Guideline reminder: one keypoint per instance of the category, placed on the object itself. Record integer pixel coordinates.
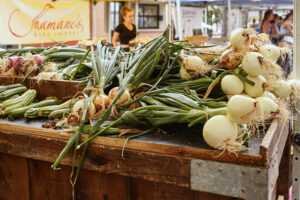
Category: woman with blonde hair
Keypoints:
(125, 31)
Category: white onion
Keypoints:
(270, 95)
(240, 39)
(267, 106)
(78, 109)
(270, 52)
(257, 89)
(231, 58)
(231, 84)
(184, 75)
(241, 109)
(219, 129)
(282, 89)
(124, 99)
(253, 64)
(101, 102)
(294, 83)
(194, 66)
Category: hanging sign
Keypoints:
(32, 21)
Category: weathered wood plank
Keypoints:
(145, 190)
(59, 88)
(95, 185)
(47, 183)
(160, 168)
(283, 181)
(276, 133)
(173, 150)
(14, 179)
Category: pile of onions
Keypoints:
(231, 58)
(78, 107)
(124, 99)
(219, 130)
(192, 66)
(240, 39)
(232, 85)
(258, 88)
(241, 109)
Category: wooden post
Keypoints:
(296, 39)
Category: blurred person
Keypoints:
(279, 22)
(125, 31)
(253, 25)
(286, 29)
(268, 27)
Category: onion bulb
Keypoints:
(193, 66)
(78, 109)
(240, 39)
(270, 52)
(269, 95)
(218, 130)
(241, 109)
(231, 85)
(282, 89)
(124, 99)
(101, 102)
(231, 58)
(258, 88)
(253, 64)
(267, 106)
(184, 75)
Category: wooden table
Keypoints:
(155, 166)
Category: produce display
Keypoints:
(229, 95)
(55, 62)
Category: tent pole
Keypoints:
(229, 14)
(94, 20)
(205, 20)
(179, 19)
(296, 39)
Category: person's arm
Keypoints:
(115, 38)
(289, 28)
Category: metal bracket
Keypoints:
(230, 179)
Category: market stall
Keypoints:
(166, 120)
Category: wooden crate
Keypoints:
(154, 166)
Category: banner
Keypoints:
(41, 21)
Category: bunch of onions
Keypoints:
(231, 85)
(258, 88)
(241, 109)
(221, 133)
(240, 39)
(231, 58)
(124, 99)
(192, 66)
(78, 108)
(270, 52)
